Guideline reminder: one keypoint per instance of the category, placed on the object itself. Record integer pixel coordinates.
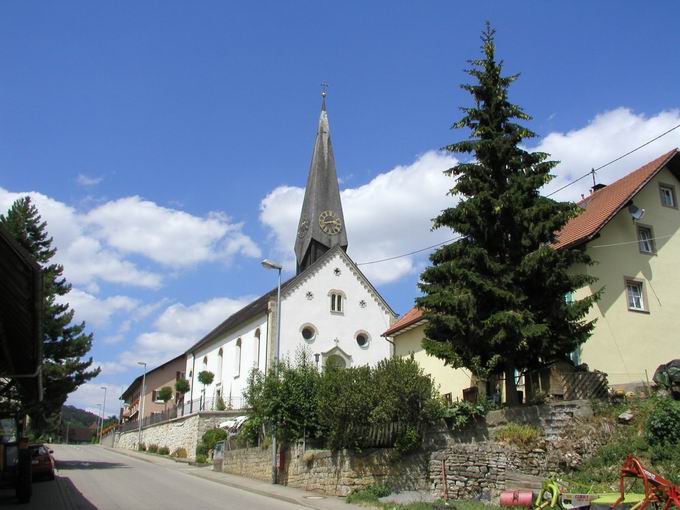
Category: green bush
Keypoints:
(460, 415)
(519, 435)
(409, 441)
(209, 440)
(180, 453)
(249, 434)
(164, 450)
(141, 447)
(663, 424)
(370, 494)
(153, 448)
(201, 459)
(220, 405)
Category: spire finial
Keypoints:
(324, 93)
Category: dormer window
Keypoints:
(337, 301)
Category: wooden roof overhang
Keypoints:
(21, 317)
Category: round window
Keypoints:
(362, 339)
(308, 332)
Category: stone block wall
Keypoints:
(481, 470)
(332, 473)
(183, 432)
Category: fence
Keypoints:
(585, 385)
(191, 407)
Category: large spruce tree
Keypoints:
(495, 299)
(64, 344)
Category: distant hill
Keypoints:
(77, 418)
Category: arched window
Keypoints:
(220, 359)
(205, 363)
(237, 358)
(337, 301)
(256, 357)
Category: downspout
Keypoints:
(394, 347)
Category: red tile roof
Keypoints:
(602, 205)
(411, 317)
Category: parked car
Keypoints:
(42, 462)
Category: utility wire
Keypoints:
(591, 172)
(411, 253)
(614, 160)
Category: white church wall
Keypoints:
(361, 312)
(232, 378)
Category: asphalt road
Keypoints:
(94, 478)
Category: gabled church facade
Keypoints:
(329, 308)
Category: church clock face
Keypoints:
(330, 222)
(303, 228)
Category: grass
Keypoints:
(518, 435)
(370, 497)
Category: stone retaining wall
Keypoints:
(332, 473)
(183, 432)
(476, 466)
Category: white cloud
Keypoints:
(606, 137)
(84, 258)
(391, 215)
(86, 180)
(110, 367)
(89, 395)
(134, 225)
(95, 311)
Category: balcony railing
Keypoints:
(191, 407)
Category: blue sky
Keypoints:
(166, 143)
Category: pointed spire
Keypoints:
(324, 93)
(322, 224)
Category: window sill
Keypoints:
(638, 311)
(337, 313)
(237, 376)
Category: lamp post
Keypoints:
(268, 264)
(141, 405)
(101, 429)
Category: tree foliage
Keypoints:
(64, 343)
(205, 377)
(182, 386)
(495, 299)
(338, 406)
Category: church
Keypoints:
(328, 308)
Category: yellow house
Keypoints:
(630, 229)
(407, 335)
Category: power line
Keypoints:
(411, 253)
(614, 160)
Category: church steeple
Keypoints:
(322, 224)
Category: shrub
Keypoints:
(370, 494)
(141, 447)
(153, 448)
(201, 459)
(180, 453)
(519, 435)
(209, 440)
(164, 450)
(408, 441)
(460, 415)
(663, 424)
(220, 405)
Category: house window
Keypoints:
(237, 358)
(220, 359)
(635, 293)
(646, 239)
(667, 193)
(337, 301)
(256, 358)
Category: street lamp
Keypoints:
(141, 404)
(101, 430)
(269, 264)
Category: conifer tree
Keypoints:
(64, 344)
(495, 299)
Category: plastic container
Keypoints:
(517, 498)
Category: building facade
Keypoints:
(164, 375)
(630, 230)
